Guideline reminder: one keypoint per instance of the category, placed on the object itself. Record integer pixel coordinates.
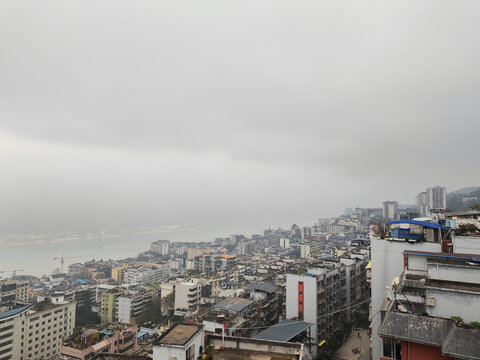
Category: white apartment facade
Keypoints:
(35, 331)
(130, 306)
(144, 276)
(76, 269)
(307, 249)
(160, 247)
(387, 262)
(187, 295)
(437, 197)
(11, 290)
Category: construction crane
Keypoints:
(13, 271)
(61, 258)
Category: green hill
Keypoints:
(464, 198)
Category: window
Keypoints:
(392, 349)
(6, 328)
(190, 354)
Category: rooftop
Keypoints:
(180, 334)
(462, 213)
(285, 330)
(467, 257)
(417, 222)
(44, 305)
(13, 312)
(452, 285)
(97, 334)
(238, 348)
(265, 287)
(233, 305)
(454, 340)
(419, 329)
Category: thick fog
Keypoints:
(127, 114)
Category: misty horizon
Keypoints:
(118, 117)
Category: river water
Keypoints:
(35, 254)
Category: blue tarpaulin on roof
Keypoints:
(81, 281)
(416, 222)
(107, 332)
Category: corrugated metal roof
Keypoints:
(234, 305)
(265, 287)
(13, 312)
(285, 330)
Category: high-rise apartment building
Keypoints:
(437, 197)
(433, 198)
(108, 306)
(388, 262)
(35, 331)
(146, 275)
(160, 247)
(129, 306)
(421, 201)
(430, 309)
(14, 290)
(323, 295)
(390, 210)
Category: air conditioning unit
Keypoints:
(430, 301)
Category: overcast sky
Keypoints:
(145, 113)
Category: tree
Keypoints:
(379, 228)
(466, 229)
(158, 311)
(475, 207)
(86, 317)
(167, 304)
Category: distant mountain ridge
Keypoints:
(465, 190)
(463, 198)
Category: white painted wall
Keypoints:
(178, 352)
(454, 273)
(466, 245)
(387, 262)
(310, 299)
(454, 303)
(124, 308)
(416, 262)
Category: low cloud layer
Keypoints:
(121, 114)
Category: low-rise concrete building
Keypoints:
(188, 342)
(183, 342)
(187, 295)
(114, 338)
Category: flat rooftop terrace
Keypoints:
(179, 335)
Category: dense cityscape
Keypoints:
(239, 180)
(371, 283)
